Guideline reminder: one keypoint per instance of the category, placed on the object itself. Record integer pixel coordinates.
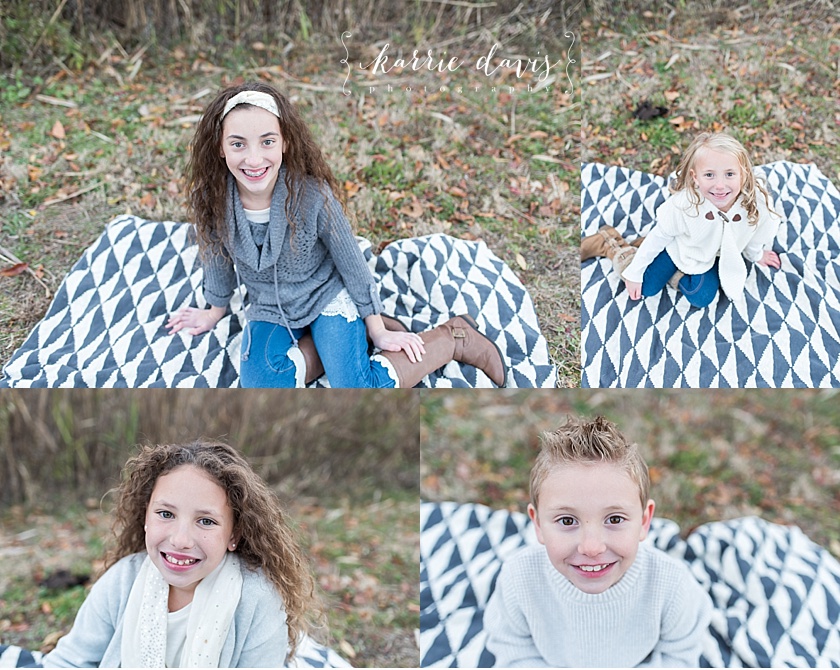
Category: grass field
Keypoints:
(767, 73)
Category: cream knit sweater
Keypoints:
(694, 236)
(657, 615)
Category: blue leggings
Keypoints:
(699, 290)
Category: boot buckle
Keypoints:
(459, 333)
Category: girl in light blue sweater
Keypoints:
(205, 571)
(268, 213)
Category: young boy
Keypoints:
(594, 596)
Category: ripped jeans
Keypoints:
(270, 358)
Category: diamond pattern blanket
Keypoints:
(786, 333)
(106, 324)
(309, 654)
(776, 594)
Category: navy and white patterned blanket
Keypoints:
(309, 654)
(786, 333)
(106, 325)
(776, 594)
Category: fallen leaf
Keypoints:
(58, 131)
(14, 270)
(351, 187)
(520, 261)
(348, 650)
(415, 210)
(670, 96)
(681, 124)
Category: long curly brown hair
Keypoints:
(207, 172)
(265, 539)
(750, 187)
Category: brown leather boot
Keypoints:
(622, 257)
(458, 339)
(440, 347)
(601, 243)
(474, 348)
(609, 243)
(314, 367)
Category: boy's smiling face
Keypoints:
(591, 521)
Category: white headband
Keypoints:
(256, 98)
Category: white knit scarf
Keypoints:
(144, 625)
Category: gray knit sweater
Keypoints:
(292, 277)
(258, 636)
(657, 615)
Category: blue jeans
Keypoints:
(699, 290)
(270, 359)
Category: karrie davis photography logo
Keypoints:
(540, 71)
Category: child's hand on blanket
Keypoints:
(770, 259)
(634, 289)
(197, 321)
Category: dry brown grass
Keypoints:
(765, 72)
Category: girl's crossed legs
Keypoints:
(699, 290)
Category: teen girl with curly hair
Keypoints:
(718, 214)
(206, 571)
(269, 214)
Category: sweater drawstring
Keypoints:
(280, 305)
(246, 329)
